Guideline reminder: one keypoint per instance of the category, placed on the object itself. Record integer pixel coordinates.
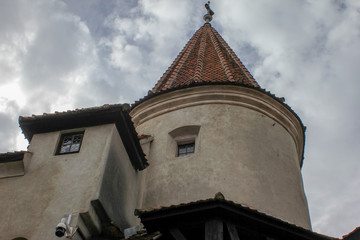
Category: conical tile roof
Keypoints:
(206, 58)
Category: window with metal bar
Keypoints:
(186, 149)
(70, 143)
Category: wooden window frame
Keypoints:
(61, 142)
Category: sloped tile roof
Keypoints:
(86, 117)
(12, 156)
(219, 200)
(103, 108)
(143, 235)
(205, 58)
(82, 117)
(354, 235)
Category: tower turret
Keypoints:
(215, 130)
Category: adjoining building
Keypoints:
(86, 163)
(207, 154)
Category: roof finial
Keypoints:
(208, 16)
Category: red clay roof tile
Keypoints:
(205, 58)
(220, 199)
(12, 156)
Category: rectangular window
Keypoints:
(186, 149)
(70, 143)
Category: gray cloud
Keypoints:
(59, 55)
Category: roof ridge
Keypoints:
(124, 106)
(15, 152)
(200, 60)
(222, 59)
(184, 58)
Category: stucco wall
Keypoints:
(120, 192)
(248, 147)
(53, 185)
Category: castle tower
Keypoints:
(211, 128)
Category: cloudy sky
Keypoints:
(57, 55)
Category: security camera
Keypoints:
(61, 228)
(64, 229)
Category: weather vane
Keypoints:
(208, 15)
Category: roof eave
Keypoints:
(159, 219)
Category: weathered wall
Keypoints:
(53, 185)
(120, 192)
(249, 147)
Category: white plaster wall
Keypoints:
(247, 152)
(53, 185)
(121, 191)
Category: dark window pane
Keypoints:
(182, 150)
(75, 147)
(190, 149)
(67, 140)
(77, 138)
(65, 149)
(185, 149)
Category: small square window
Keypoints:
(186, 149)
(70, 143)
